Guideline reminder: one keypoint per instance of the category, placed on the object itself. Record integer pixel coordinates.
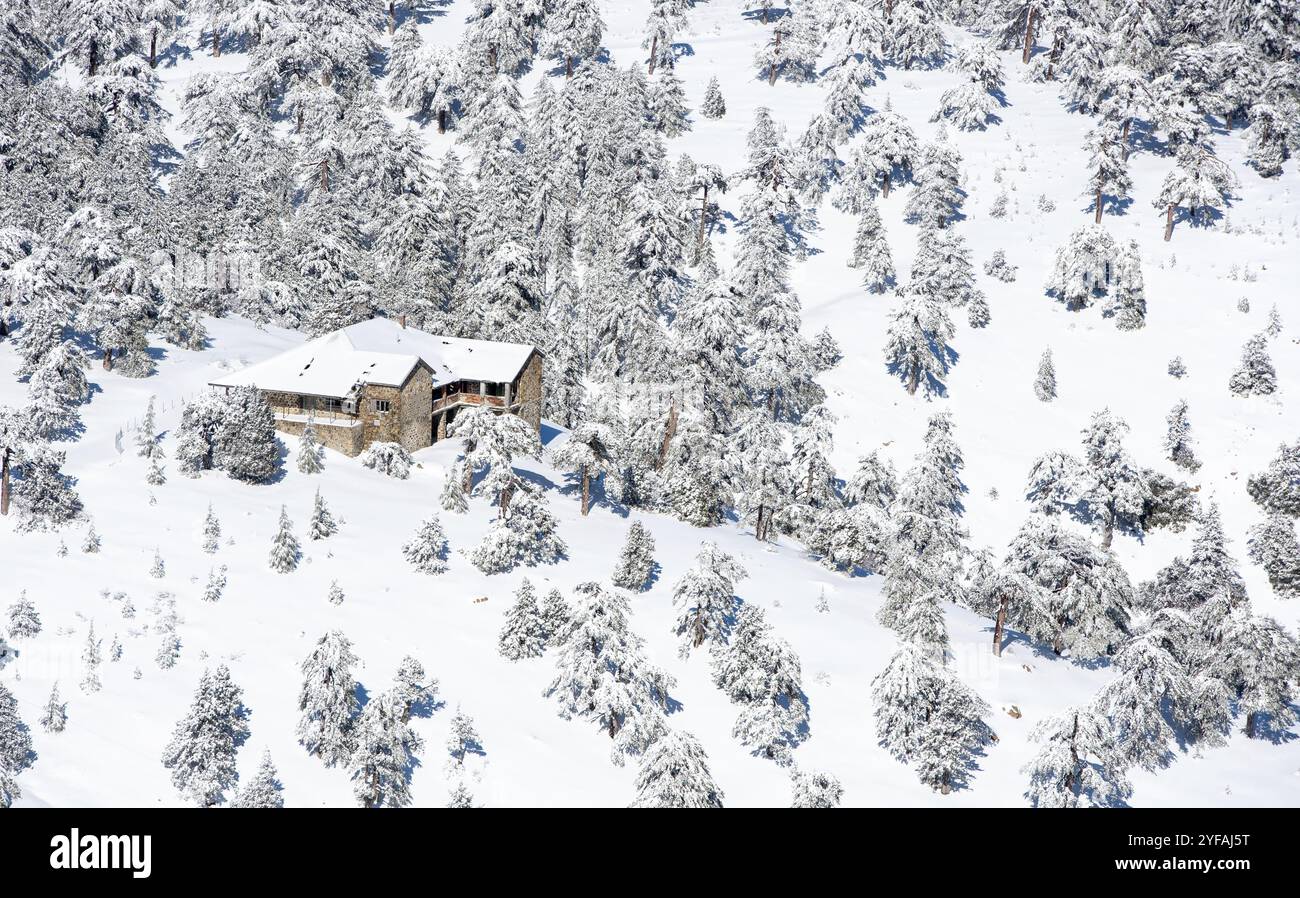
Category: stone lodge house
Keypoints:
(382, 381)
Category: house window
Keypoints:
(326, 404)
(494, 390)
(383, 405)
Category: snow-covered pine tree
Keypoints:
(211, 531)
(15, 748)
(157, 570)
(201, 754)
(24, 621)
(1273, 546)
(573, 31)
(674, 773)
(1178, 438)
(391, 459)
(1256, 376)
(589, 454)
(1078, 765)
(871, 250)
(937, 196)
(1278, 488)
(427, 549)
(1150, 678)
(916, 346)
(603, 676)
(814, 789)
(971, 104)
(381, 763)
(263, 789)
(762, 674)
(1199, 181)
(463, 739)
(91, 544)
(714, 106)
(523, 635)
(322, 523)
(1128, 302)
(285, 550)
(146, 438)
(311, 454)
(527, 535)
(705, 598)
(90, 660)
(1266, 658)
(55, 716)
(556, 616)
(328, 700)
(1108, 163)
(216, 584)
(1045, 382)
(636, 565)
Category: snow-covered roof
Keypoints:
(379, 351)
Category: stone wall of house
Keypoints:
(529, 392)
(409, 418)
(345, 439)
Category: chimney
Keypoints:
(401, 319)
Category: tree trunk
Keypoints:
(1029, 35)
(884, 189)
(670, 431)
(216, 42)
(999, 627)
(392, 16)
(914, 381)
(4, 326)
(568, 67)
(654, 47)
(325, 174)
(4, 482)
(586, 491)
(1098, 216)
(442, 121)
(1169, 222)
(492, 58)
(771, 70)
(704, 214)
(92, 64)
(1250, 724)
(153, 49)
(1108, 534)
(108, 360)
(758, 523)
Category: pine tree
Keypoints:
(523, 635)
(322, 523)
(285, 550)
(211, 531)
(1256, 376)
(1178, 438)
(871, 251)
(216, 584)
(636, 565)
(263, 790)
(15, 748)
(1278, 488)
(463, 739)
(1108, 163)
(90, 545)
(937, 196)
(311, 455)
(24, 621)
(328, 700)
(705, 598)
(55, 717)
(90, 659)
(1128, 301)
(1078, 765)
(916, 348)
(762, 674)
(1045, 383)
(814, 789)
(589, 454)
(714, 106)
(384, 755)
(1149, 678)
(1266, 658)
(335, 594)
(427, 550)
(460, 797)
(157, 570)
(201, 754)
(556, 616)
(1273, 546)
(674, 773)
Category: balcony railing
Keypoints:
(469, 399)
(319, 416)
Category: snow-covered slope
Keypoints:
(266, 623)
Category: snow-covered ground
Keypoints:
(266, 623)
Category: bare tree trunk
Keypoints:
(216, 42)
(392, 16)
(568, 67)
(771, 70)
(654, 48)
(442, 121)
(1251, 724)
(884, 188)
(1169, 222)
(670, 431)
(492, 58)
(108, 360)
(153, 49)
(999, 627)
(325, 174)
(758, 523)
(1029, 35)
(4, 481)
(1108, 534)
(704, 214)
(1098, 216)
(586, 491)
(914, 381)
(92, 65)
(467, 483)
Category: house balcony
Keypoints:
(468, 399)
(318, 417)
